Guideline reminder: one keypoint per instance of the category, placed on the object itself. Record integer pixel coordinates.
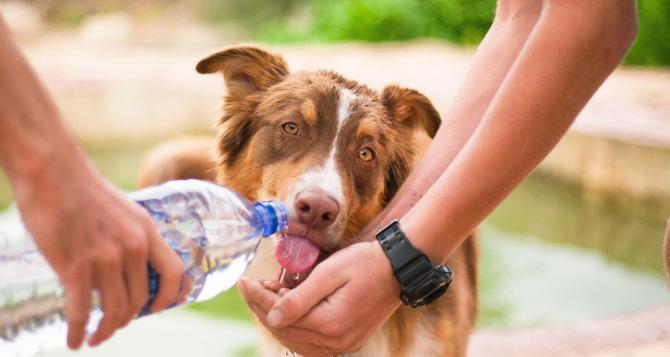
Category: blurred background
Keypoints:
(577, 244)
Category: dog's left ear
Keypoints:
(411, 109)
(246, 69)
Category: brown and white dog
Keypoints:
(334, 152)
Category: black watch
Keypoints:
(420, 282)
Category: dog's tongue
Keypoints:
(296, 254)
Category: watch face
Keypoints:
(435, 294)
(432, 292)
(428, 289)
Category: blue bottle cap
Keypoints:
(272, 217)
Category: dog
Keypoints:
(334, 152)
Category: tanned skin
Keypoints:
(91, 235)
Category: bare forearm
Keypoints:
(32, 136)
(491, 63)
(570, 52)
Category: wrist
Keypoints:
(41, 169)
(421, 282)
(420, 241)
(385, 271)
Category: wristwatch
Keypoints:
(421, 283)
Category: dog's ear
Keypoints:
(411, 109)
(246, 69)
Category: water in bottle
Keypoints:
(214, 231)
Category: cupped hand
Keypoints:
(336, 309)
(261, 296)
(96, 239)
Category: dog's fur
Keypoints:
(332, 120)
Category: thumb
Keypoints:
(295, 304)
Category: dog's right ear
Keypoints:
(246, 69)
(411, 108)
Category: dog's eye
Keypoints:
(366, 154)
(291, 128)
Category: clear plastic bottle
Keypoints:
(214, 231)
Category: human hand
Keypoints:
(336, 309)
(94, 238)
(261, 296)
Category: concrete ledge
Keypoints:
(600, 163)
(645, 333)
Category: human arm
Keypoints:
(90, 234)
(570, 51)
(492, 61)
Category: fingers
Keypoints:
(111, 285)
(273, 285)
(295, 304)
(300, 337)
(77, 306)
(254, 292)
(259, 312)
(305, 342)
(186, 286)
(170, 269)
(309, 337)
(136, 277)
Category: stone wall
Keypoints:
(621, 169)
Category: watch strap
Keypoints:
(420, 282)
(408, 263)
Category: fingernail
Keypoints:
(274, 318)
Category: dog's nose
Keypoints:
(316, 209)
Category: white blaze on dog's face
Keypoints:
(326, 178)
(332, 150)
(321, 187)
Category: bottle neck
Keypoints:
(270, 217)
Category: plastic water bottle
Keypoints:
(214, 231)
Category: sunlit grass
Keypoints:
(228, 305)
(5, 192)
(249, 351)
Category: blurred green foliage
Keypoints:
(249, 351)
(73, 12)
(254, 15)
(459, 21)
(5, 192)
(652, 45)
(229, 305)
